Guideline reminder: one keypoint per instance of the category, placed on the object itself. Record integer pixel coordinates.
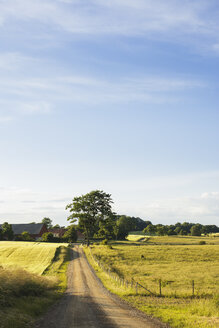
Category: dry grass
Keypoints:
(176, 266)
(24, 295)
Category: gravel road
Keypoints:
(87, 304)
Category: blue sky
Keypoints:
(120, 96)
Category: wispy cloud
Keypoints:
(21, 95)
(31, 206)
(114, 17)
(14, 61)
(4, 119)
(120, 17)
(35, 107)
(170, 210)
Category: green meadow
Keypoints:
(169, 263)
(32, 277)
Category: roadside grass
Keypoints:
(24, 295)
(176, 266)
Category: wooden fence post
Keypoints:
(136, 288)
(193, 288)
(160, 287)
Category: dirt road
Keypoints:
(87, 304)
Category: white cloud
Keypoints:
(31, 206)
(35, 108)
(170, 210)
(210, 195)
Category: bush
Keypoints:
(202, 242)
(104, 242)
(48, 237)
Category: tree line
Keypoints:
(97, 220)
(92, 215)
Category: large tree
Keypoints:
(90, 209)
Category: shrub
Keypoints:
(104, 242)
(48, 237)
(202, 242)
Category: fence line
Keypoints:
(120, 280)
(134, 285)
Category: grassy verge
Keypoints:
(25, 295)
(176, 266)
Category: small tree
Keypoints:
(196, 230)
(47, 222)
(71, 234)
(90, 209)
(48, 237)
(162, 230)
(125, 224)
(151, 229)
(57, 226)
(7, 231)
(26, 236)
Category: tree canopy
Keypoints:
(90, 209)
(47, 222)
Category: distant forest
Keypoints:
(127, 224)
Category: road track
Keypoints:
(87, 304)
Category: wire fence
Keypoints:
(134, 285)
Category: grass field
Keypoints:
(176, 266)
(33, 257)
(32, 276)
(173, 240)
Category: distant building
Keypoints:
(36, 230)
(58, 232)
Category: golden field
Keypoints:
(31, 256)
(32, 276)
(176, 265)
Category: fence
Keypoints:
(133, 284)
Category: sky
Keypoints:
(116, 95)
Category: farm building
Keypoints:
(36, 230)
(58, 232)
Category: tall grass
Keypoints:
(24, 295)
